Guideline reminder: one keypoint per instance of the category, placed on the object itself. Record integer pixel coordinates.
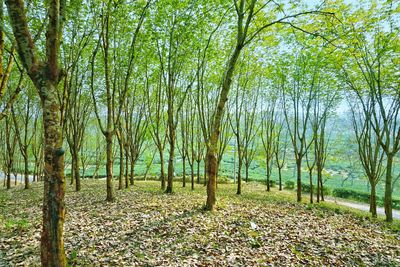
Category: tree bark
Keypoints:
(198, 171)
(280, 178)
(372, 204)
(170, 175)
(184, 172)
(192, 175)
(298, 165)
(121, 165)
(52, 242)
(268, 176)
(162, 172)
(71, 181)
(311, 187)
(26, 170)
(109, 167)
(239, 177)
(76, 173)
(388, 188)
(126, 169)
(132, 175)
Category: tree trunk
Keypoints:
(109, 167)
(126, 169)
(268, 176)
(298, 164)
(239, 177)
(318, 186)
(372, 203)
(388, 188)
(205, 172)
(321, 187)
(171, 162)
(132, 175)
(162, 175)
(26, 170)
(311, 187)
(76, 173)
(184, 172)
(8, 179)
(216, 125)
(192, 175)
(52, 242)
(121, 166)
(280, 178)
(71, 182)
(211, 171)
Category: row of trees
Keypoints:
(159, 74)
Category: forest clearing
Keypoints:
(199, 133)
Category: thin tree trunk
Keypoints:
(212, 162)
(311, 187)
(372, 204)
(76, 173)
(322, 189)
(132, 175)
(170, 176)
(212, 181)
(26, 170)
(162, 175)
(268, 177)
(109, 168)
(126, 169)
(184, 172)
(121, 166)
(280, 178)
(298, 164)
(198, 172)
(8, 183)
(388, 188)
(192, 175)
(71, 182)
(318, 183)
(205, 173)
(239, 178)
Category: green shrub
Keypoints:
(362, 197)
(223, 180)
(289, 185)
(396, 204)
(306, 189)
(351, 194)
(272, 183)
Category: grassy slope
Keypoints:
(146, 227)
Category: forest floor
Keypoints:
(145, 227)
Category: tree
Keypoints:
(298, 96)
(369, 150)
(247, 13)
(45, 75)
(371, 57)
(114, 64)
(269, 135)
(22, 114)
(280, 148)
